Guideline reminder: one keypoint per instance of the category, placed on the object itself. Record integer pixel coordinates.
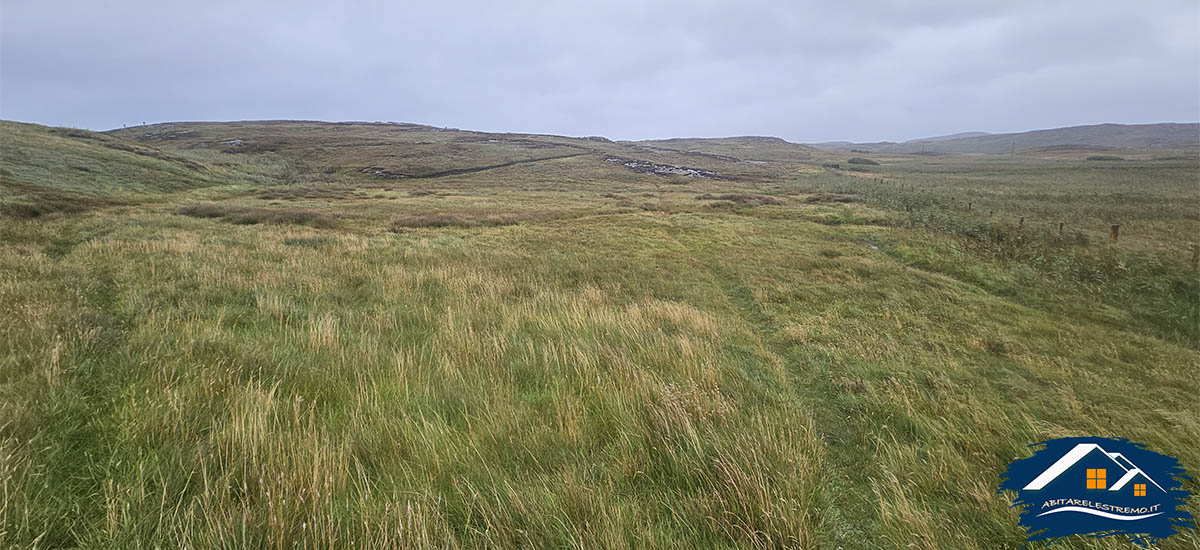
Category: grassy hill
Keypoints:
(345, 151)
(47, 169)
(304, 334)
(1167, 136)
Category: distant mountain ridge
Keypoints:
(1123, 136)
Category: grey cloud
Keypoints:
(805, 71)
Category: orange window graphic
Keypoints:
(1139, 489)
(1096, 478)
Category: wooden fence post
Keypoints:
(1116, 233)
(969, 206)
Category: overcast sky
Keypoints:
(805, 71)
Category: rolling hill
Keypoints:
(50, 169)
(44, 169)
(1168, 136)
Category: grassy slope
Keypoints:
(334, 152)
(48, 169)
(641, 369)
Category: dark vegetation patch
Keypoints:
(240, 215)
(308, 242)
(1105, 157)
(291, 193)
(41, 208)
(417, 221)
(419, 192)
(470, 219)
(741, 199)
(862, 160)
(42, 201)
(831, 197)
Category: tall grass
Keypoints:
(215, 386)
(810, 366)
(1068, 265)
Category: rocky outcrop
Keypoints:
(647, 167)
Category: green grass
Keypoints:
(1045, 229)
(581, 356)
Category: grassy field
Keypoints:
(520, 343)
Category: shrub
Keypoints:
(862, 160)
(1105, 157)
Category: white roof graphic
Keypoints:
(1076, 454)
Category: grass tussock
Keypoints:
(311, 192)
(418, 221)
(831, 197)
(742, 199)
(241, 215)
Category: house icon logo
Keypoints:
(1098, 487)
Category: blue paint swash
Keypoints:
(1099, 487)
